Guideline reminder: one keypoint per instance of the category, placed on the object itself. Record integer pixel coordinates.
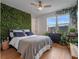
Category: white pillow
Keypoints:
(17, 30)
(26, 30)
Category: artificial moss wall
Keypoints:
(12, 18)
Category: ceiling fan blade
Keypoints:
(47, 5)
(34, 4)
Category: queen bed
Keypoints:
(30, 46)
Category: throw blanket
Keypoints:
(29, 47)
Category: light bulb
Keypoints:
(40, 8)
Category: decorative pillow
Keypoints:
(11, 34)
(19, 34)
(29, 33)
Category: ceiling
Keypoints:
(25, 5)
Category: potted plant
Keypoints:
(46, 33)
(72, 31)
(63, 40)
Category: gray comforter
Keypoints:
(29, 47)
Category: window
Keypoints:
(63, 22)
(51, 23)
(60, 22)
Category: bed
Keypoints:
(31, 46)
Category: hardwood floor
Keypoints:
(56, 52)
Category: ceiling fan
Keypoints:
(40, 5)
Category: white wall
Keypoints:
(34, 25)
(39, 23)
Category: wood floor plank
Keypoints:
(56, 52)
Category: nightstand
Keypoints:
(5, 45)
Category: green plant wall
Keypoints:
(12, 18)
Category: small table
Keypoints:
(74, 51)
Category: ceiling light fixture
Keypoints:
(40, 5)
(40, 8)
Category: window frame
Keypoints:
(57, 25)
